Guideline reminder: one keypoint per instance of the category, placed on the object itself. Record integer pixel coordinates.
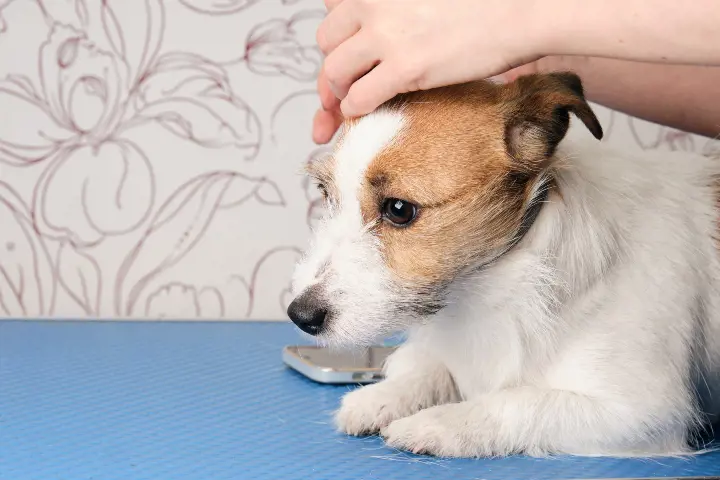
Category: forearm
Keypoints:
(680, 96)
(664, 31)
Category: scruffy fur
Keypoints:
(597, 334)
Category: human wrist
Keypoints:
(630, 30)
(576, 29)
(548, 27)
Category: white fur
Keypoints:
(344, 256)
(581, 340)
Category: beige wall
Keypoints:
(150, 154)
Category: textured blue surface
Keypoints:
(202, 401)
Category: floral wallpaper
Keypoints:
(151, 154)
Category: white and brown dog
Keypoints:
(559, 297)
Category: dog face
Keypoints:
(422, 192)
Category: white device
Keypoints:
(324, 365)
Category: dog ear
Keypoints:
(538, 115)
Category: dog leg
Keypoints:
(413, 382)
(536, 422)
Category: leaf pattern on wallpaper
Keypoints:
(27, 280)
(135, 31)
(275, 291)
(181, 300)
(286, 47)
(20, 145)
(80, 277)
(181, 223)
(191, 97)
(110, 188)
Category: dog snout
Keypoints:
(309, 311)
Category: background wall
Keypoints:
(150, 155)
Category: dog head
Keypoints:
(427, 189)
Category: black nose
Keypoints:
(308, 311)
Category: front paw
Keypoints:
(367, 410)
(445, 431)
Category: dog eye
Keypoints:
(398, 212)
(323, 190)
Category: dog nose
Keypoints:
(308, 311)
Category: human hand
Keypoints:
(547, 64)
(377, 49)
(328, 118)
(512, 75)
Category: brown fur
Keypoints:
(469, 158)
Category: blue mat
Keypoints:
(209, 401)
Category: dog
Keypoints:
(557, 296)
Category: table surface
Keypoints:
(201, 401)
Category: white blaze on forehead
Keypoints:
(360, 146)
(339, 245)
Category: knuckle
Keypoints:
(382, 35)
(321, 38)
(333, 70)
(412, 74)
(366, 4)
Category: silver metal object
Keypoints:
(325, 365)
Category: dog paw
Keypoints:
(367, 410)
(443, 431)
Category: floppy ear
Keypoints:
(538, 115)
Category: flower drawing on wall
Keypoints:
(178, 300)
(286, 47)
(180, 224)
(231, 296)
(649, 136)
(99, 76)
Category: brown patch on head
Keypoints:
(470, 157)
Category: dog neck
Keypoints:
(528, 220)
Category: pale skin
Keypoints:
(655, 60)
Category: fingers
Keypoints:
(328, 119)
(369, 92)
(339, 25)
(328, 100)
(513, 74)
(331, 4)
(325, 124)
(349, 62)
